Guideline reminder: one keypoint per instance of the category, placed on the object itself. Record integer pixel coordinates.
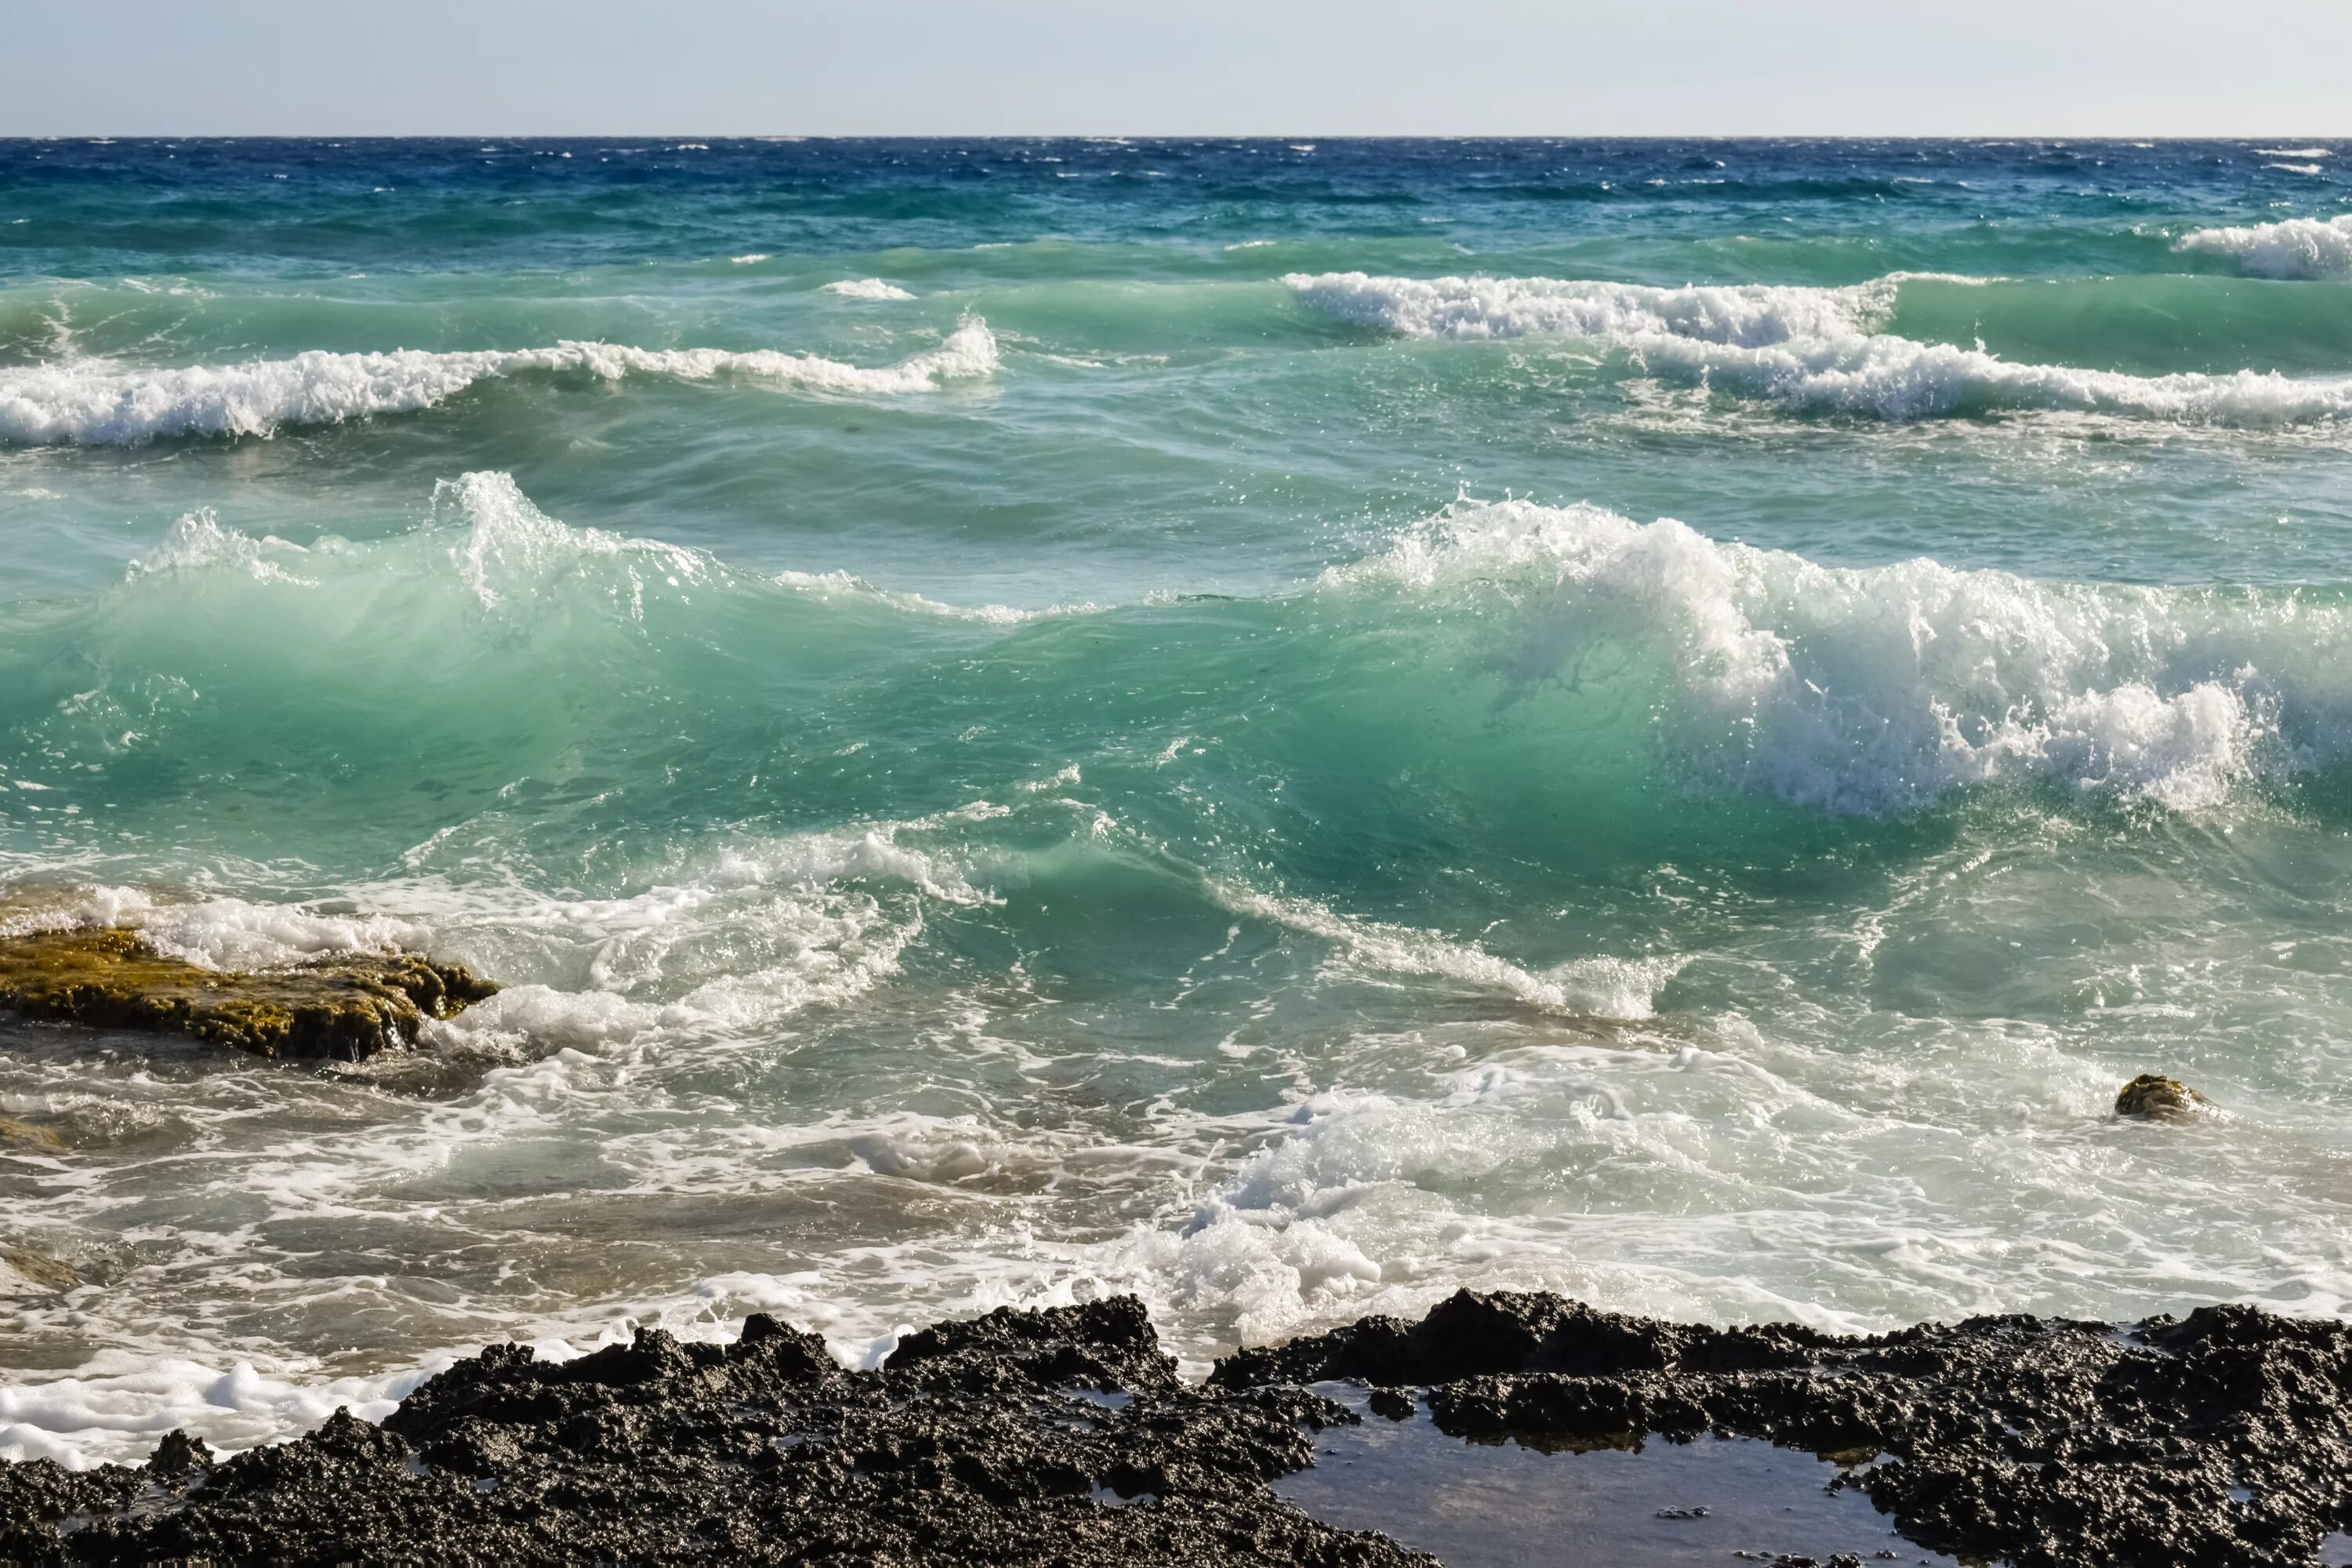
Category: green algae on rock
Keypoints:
(342, 1007)
(2155, 1098)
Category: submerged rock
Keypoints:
(343, 1007)
(2158, 1099)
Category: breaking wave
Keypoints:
(1818, 351)
(866, 288)
(1885, 689)
(2306, 248)
(99, 403)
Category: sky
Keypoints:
(2056, 68)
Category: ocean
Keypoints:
(1282, 726)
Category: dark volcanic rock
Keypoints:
(1064, 1438)
(2219, 1440)
(344, 1007)
(975, 1443)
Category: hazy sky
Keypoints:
(1368, 67)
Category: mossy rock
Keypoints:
(344, 1007)
(28, 1135)
(2155, 1098)
(39, 1268)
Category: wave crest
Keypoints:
(1809, 350)
(97, 403)
(1885, 689)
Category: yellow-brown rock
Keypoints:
(343, 1007)
(2155, 1098)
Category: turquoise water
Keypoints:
(1287, 727)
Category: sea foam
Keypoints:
(99, 403)
(1819, 351)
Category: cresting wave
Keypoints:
(1887, 689)
(98, 403)
(2306, 247)
(1735, 669)
(1820, 351)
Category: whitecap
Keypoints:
(99, 403)
(1808, 350)
(1885, 689)
(2292, 247)
(866, 288)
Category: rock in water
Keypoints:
(343, 1007)
(2158, 1099)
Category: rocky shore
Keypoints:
(1065, 1437)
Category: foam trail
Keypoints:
(2306, 248)
(95, 403)
(1808, 350)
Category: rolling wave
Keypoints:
(1518, 644)
(98, 403)
(1820, 351)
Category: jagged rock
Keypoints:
(344, 1007)
(971, 1445)
(2158, 1099)
(1063, 1438)
(178, 1454)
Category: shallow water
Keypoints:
(1657, 1504)
(1283, 728)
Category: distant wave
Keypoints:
(99, 403)
(2292, 247)
(1810, 350)
(1745, 315)
(866, 288)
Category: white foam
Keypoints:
(866, 288)
(1883, 688)
(99, 403)
(2303, 247)
(118, 1405)
(1808, 350)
